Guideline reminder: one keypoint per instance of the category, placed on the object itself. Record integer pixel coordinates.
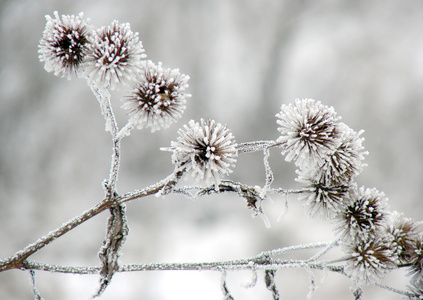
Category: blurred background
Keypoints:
(245, 59)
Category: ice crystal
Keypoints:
(363, 215)
(369, 260)
(63, 47)
(207, 150)
(116, 55)
(157, 98)
(308, 131)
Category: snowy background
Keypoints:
(245, 59)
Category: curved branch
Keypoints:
(17, 261)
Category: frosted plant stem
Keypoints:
(114, 168)
(293, 248)
(226, 293)
(17, 261)
(221, 266)
(394, 290)
(35, 291)
(269, 173)
(325, 250)
(269, 280)
(103, 97)
(290, 191)
(232, 265)
(250, 147)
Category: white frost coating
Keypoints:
(313, 287)
(207, 150)
(346, 161)
(269, 173)
(254, 277)
(364, 215)
(308, 131)
(116, 55)
(63, 47)
(369, 260)
(157, 98)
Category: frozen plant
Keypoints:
(115, 55)
(64, 46)
(327, 153)
(207, 150)
(157, 98)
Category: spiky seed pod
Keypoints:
(369, 260)
(308, 131)
(116, 55)
(323, 196)
(207, 150)
(64, 45)
(403, 234)
(363, 215)
(416, 258)
(346, 161)
(157, 98)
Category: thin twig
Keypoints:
(325, 250)
(17, 260)
(37, 295)
(232, 265)
(250, 147)
(103, 97)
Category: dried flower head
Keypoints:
(207, 150)
(403, 234)
(369, 260)
(308, 131)
(116, 55)
(63, 47)
(323, 196)
(346, 161)
(416, 258)
(157, 98)
(363, 215)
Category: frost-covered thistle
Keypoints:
(346, 161)
(207, 150)
(403, 235)
(363, 215)
(369, 260)
(116, 55)
(416, 258)
(157, 98)
(308, 131)
(323, 196)
(63, 47)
